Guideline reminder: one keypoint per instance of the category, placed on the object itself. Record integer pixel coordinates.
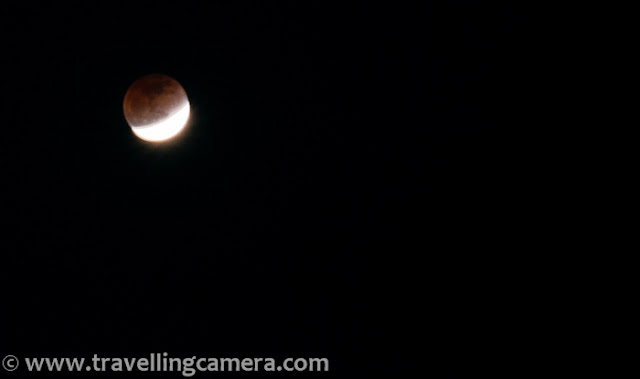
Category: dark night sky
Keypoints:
(357, 182)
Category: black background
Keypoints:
(356, 181)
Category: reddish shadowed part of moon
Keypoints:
(156, 107)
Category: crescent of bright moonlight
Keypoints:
(156, 108)
(164, 129)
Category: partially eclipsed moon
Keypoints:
(156, 107)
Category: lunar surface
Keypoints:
(156, 107)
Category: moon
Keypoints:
(156, 107)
